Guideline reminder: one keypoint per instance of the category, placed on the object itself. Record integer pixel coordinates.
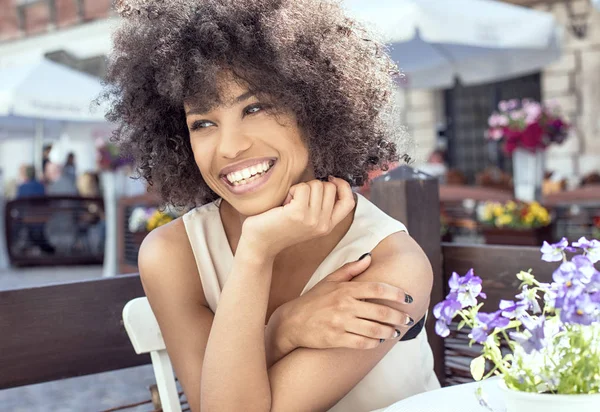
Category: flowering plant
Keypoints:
(596, 227)
(147, 219)
(554, 348)
(108, 156)
(516, 215)
(527, 124)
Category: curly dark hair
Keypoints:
(306, 55)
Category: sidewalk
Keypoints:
(91, 393)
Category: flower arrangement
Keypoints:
(554, 348)
(144, 219)
(108, 156)
(527, 124)
(515, 215)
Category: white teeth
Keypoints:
(248, 174)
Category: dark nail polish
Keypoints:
(408, 298)
(410, 321)
(381, 340)
(364, 256)
(397, 334)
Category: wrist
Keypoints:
(254, 248)
(279, 333)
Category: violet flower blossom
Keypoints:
(554, 252)
(466, 288)
(444, 312)
(591, 248)
(486, 323)
(533, 338)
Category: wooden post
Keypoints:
(413, 198)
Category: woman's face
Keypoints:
(246, 154)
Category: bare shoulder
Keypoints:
(399, 260)
(166, 261)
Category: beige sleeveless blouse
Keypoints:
(406, 370)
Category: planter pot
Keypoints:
(528, 174)
(517, 401)
(515, 237)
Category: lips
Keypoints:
(253, 184)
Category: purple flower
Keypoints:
(486, 323)
(511, 310)
(533, 337)
(529, 299)
(581, 310)
(554, 252)
(466, 288)
(591, 248)
(444, 312)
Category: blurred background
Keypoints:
(501, 100)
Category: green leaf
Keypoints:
(478, 367)
(461, 324)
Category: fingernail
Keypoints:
(410, 321)
(330, 178)
(396, 334)
(381, 340)
(408, 298)
(364, 256)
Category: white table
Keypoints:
(458, 398)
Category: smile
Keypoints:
(249, 178)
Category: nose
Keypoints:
(233, 142)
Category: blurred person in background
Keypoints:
(69, 169)
(59, 184)
(436, 165)
(92, 223)
(29, 186)
(45, 160)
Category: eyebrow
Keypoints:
(239, 99)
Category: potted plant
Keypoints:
(145, 219)
(552, 332)
(527, 128)
(515, 223)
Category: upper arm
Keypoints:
(173, 287)
(310, 379)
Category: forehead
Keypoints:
(225, 94)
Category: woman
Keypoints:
(244, 110)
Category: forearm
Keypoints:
(278, 340)
(234, 374)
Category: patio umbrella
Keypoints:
(477, 41)
(44, 94)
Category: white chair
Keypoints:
(144, 333)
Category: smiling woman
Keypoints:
(259, 115)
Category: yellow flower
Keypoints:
(511, 206)
(498, 209)
(504, 220)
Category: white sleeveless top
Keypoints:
(407, 369)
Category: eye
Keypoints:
(200, 124)
(254, 108)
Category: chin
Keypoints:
(256, 206)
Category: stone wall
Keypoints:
(574, 81)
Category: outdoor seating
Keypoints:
(53, 230)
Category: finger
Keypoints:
(345, 200)
(300, 194)
(315, 202)
(329, 198)
(352, 341)
(350, 270)
(379, 290)
(370, 329)
(382, 314)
